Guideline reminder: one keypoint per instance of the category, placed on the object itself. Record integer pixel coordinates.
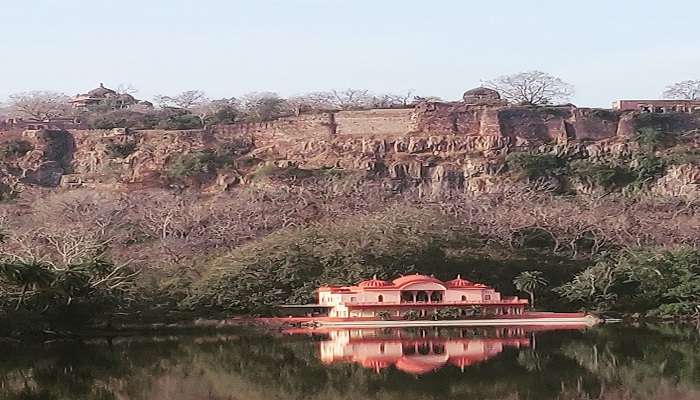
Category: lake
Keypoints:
(604, 362)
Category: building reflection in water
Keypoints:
(417, 352)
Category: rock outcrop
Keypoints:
(432, 146)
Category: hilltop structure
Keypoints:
(106, 97)
(415, 293)
(483, 96)
(657, 106)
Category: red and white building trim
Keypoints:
(420, 293)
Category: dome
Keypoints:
(482, 92)
(417, 278)
(419, 365)
(101, 92)
(460, 283)
(374, 282)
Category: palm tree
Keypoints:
(27, 276)
(530, 282)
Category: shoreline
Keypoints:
(587, 321)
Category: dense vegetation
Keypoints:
(275, 240)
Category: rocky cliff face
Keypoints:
(434, 145)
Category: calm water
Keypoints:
(609, 362)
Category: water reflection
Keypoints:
(601, 363)
(414, 354)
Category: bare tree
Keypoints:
(264, 106)
(127, 88)
(349, 99)
(40, 105)
(352, 98)
(313, 101)
(685, 90)
(532, 87)
(222, 110)
(185, 100)
(394, 100)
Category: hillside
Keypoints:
(236, 218)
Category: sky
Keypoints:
(607, 49)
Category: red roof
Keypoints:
(400, 282)
(417, 278)
(459, 283)
(374, 282)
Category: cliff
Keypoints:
(433, 145)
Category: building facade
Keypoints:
(657, 106)
(418, 294)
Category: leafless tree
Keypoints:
(394, 100)
(352, 98)
(205, 110)
(185, 100)
(264, 106)
(126, 88)
(66, 228)
(40, 105)
(532, 87)
(313, 101)
(685, 90)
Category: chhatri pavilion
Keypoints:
(416, 293)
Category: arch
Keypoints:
(422, 296)
(464, 298)
(380, 298)
(407, 297)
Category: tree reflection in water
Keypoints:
(607, 362)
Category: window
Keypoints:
(423, 349)
(380, 298)
(353, 299)
(464, 298)
(487, 297)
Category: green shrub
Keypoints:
(192, 164)
(532, 165)
(443, 314)
(647, 168)
(121, 150)
(411, 315)
(122, 119)
(601, 175)
(662, 284)
(287, 266)
(16, 148)
(67, 297)
(384, 315)
(649, 139)
(664, 122)
(200, 162)
(180, 122)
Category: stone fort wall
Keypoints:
(360, 122)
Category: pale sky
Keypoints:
(606, 49)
